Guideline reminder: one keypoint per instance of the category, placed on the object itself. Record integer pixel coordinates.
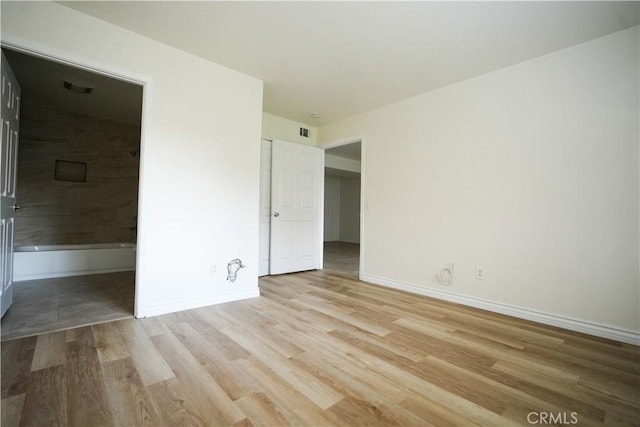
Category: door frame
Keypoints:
(78, 61)
(265, 186)
(363, 209)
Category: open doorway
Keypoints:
(342, 195)
(77, 187)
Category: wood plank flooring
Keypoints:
(320, 349)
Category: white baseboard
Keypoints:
(199, 302)
(604, 331)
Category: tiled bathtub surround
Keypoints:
(101, 210)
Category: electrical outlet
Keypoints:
(213, 268)
(480, 273)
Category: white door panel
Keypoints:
(308, 230)
(285, 244)
(296, 207)
(8, 168)
(286, 189)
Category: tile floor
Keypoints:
(54, 304)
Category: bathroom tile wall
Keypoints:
(100, 210)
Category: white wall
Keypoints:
(331, 208)
(276, 127)
(342, 213)
(341, 163)
(350, 210)
(200, 155)
(530, 172)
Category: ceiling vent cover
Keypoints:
(85, 90)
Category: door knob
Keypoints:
(276, 214)
(16, 207)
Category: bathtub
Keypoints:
(46, 261)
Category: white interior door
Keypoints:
(265, 207)
(8, 169)
(331, 209)
(297, 181)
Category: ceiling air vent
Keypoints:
(85, 90)
(304, 132)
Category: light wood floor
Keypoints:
(49, 305)
(318, 349)
(342, 257)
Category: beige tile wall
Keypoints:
(101, 210)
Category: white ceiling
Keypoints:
(342, 58)
(41, 83)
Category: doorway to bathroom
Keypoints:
(77, 192)
(342, 195)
